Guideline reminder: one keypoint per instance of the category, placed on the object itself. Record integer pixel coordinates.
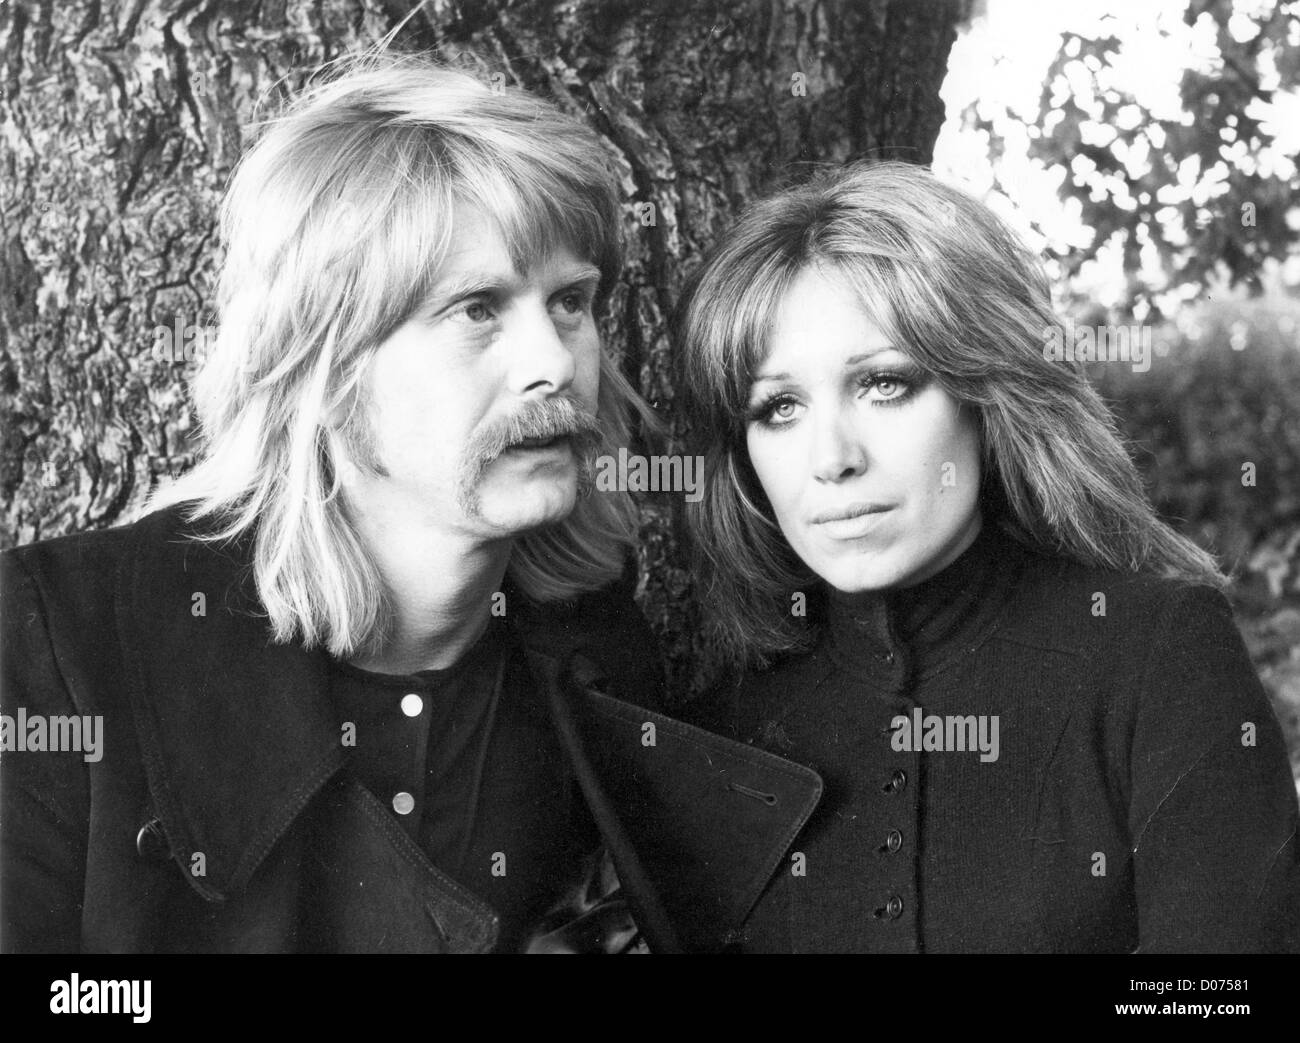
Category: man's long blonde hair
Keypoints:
(335, 223)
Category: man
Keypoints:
(345, 674)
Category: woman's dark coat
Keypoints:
(1140, 796)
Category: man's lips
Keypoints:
(552, 441)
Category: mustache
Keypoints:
(547, 418)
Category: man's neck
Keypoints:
(440, 588)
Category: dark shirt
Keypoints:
(466, 760)
(1140, 795)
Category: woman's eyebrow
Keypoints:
(853, 360)
(864, 355)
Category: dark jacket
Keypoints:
(220, 818)
(1140, 796)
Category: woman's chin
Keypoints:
(861, 574)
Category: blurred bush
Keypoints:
(1223, 392)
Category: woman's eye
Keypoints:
(776, 412)
(476, 311)
(887, 388)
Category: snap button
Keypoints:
(403, 803)
(896, 781)
(893, 841)
(412, 705)
(151, 843)
(894, 907)
(888, 657)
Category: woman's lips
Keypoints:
(853, 510)
(852, 522)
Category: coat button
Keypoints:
(896, 781)
(894, 907)
(893, 841)
(151, 843)
(403, 803)
(412, 705)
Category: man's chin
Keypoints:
(525, 506)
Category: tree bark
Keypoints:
(122, 122)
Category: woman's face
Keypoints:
(873, 470)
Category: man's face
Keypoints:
(454, 394)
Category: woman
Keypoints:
(1036, 722)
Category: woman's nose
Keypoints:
(837, 450)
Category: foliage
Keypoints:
(1198, 195)
(1221, 395)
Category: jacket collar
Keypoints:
(890, 637)
(233, 728)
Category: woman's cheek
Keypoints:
(789, 468)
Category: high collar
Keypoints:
(895, 636)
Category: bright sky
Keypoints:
(1001, 60)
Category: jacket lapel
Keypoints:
(233, 729)
(370, 888)
(697, 824)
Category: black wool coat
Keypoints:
(1139, 797)
(220, 816)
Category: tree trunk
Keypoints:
(123, 121)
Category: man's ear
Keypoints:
(349, 439)
(340, 459)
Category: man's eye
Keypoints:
(572, 302)
(476, 311)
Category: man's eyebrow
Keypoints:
(581, 273)
(852, 360)
(473, 283)
(467, 285)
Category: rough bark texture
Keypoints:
(122, 122)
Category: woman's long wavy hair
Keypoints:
(335, 223)
(950, 284)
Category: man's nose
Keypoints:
(541, 357)
(837, 449)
